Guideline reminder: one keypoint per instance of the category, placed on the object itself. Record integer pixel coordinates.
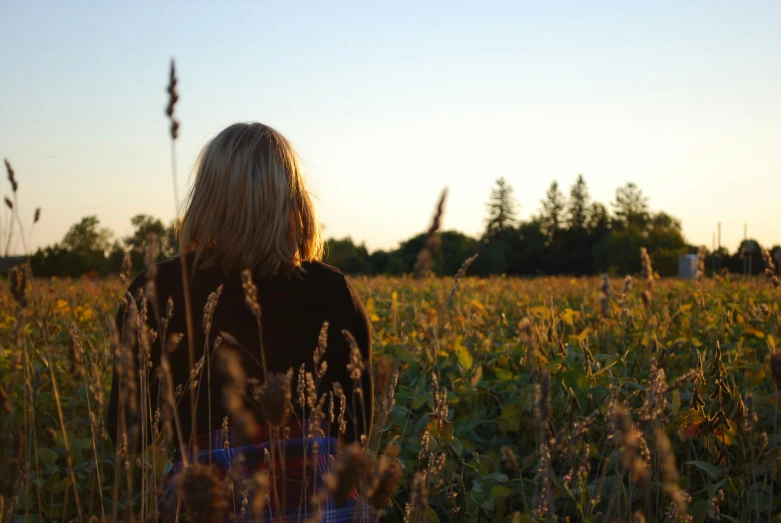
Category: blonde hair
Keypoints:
(248, 207)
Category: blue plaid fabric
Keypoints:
(306, 461)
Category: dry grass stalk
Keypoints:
(275, 398)
(670, 472)
(203, 494)
(173, 97)
(426, 254)
(208, 309)
(418, 502)
(18, 278)
(604, 295)
(346, 472)
(770, 268)
(386, 479)
(321, 366)
(648, 275)
(355, 366)
(543, 409)
(230, 365)
(633, 449)
(460, 274)
(701, 255)
(11, 176)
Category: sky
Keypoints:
(387, 103)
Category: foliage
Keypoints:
(87, 249)
(538, 368)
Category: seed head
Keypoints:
(645, 296)
(381, 372)
(645, 264)
(321, 366)
(203, 493)
(670, 472)
(386, 479)
(173, 97)
(230, 366)
(348, 469)
(275, 397)
(250, 293)
(37, 215)
(17, 279)
(426, 254)
(208, 309)
(356, 365)
(127, 267)
(259, 493)
(11, 175)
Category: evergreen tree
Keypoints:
(578, 208)
(502, 217)
(502, 210)
(631, 207)
(575, 239)
(553, 208)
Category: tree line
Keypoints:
(569, 235)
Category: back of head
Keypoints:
(249, 207)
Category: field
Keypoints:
(549, 399)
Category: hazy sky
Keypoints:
(387, 103)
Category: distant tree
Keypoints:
(553, 211)
(502, 216)
(143, 226)
(379, 262)
(579, 205)
(598, 221)
(82, 250)
(665, 243)
(502, 209)
(454, 248)
(87, 237)
(347, 256)
(631, 206)
(528, 250)
(575, 239)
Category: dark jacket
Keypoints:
(293, 311)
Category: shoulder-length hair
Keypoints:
(248, 207)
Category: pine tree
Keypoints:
(502, 210)
(631, 206)
(553, 207)
(579, 201)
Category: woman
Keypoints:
(248, 209)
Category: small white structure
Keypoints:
(687, 267)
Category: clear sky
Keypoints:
(388, 102)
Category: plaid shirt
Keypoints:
(306, 461)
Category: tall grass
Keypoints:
(497, 399)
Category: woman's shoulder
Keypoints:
(165, 271)
(319, 272)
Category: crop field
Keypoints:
(548, 399)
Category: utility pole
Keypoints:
(713, 255)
